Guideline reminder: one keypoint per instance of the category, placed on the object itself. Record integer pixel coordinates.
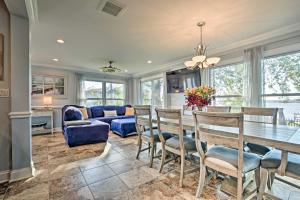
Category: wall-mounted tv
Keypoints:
(179, 80)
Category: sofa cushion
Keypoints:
(84, 113)
(129, 111)
(97, 111)
(110, 113)
(77, 122)
(109, 119)
(95, 132)
(72, 113)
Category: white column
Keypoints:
(20, 99)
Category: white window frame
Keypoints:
(151, 80)
(211, 81)
(104, 99)
(263, 78)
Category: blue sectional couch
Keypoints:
(123, 127)
(98, 128)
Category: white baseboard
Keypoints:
(57, 129)
(4, 176)
(20, 174)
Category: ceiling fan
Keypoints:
(110, 68)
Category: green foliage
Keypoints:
(282, 74)
(228, 80)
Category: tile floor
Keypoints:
(108, 171)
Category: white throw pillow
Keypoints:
(110, 113)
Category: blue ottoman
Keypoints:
(123, 127)
(95, 132)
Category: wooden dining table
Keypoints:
(281, 137)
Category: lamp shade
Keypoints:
(189, 63)
(200, 58)
(213, 60)
(47, 100)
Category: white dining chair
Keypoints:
(227, 156)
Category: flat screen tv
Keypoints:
(179, 80)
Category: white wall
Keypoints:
(72, 82)
(5, 133)
(71, 86)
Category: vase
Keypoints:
(201, 108)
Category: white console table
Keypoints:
(44, 126)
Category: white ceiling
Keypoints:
(159, 30)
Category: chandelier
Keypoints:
(200, 60)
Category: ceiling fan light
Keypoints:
(189, 63)
(200, 58)
(213, 60)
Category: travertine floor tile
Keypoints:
(110, 171)
(97, 174)
(109, 188)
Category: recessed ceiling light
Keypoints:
(125, 70)
(55, 59)
(149, 61)
(60, 41)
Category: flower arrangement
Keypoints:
(198, 96)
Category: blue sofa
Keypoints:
(96, 131)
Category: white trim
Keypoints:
(32, 10)
(47, 107)
(281, 50)
(262, 39)
(4, 176)
(149, 78)
(16, 115)
(95, 72)
(57, 129)
(20, 174)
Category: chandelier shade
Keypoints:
(213, 60)
(200, 59)
(189, 63)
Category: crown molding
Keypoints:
(32, 11)
(262, 39)
(79, 69)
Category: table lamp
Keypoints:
(47, 101)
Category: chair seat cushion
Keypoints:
(166, 135)
(189, 143)
(258, 149)
(251, 161)
(273, 159)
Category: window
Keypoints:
(93, 93)
(102, 93)
(228, 82)
(281, 85)
(48, 85)
(115, 94)
(152, 93)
